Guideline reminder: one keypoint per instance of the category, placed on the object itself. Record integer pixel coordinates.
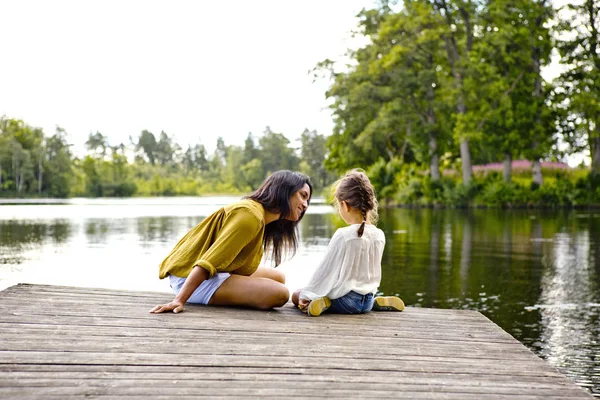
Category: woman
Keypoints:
(216, 263)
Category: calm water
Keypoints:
(534, 273)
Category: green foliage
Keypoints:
(384, 176)
(313, 152)
(32, 164)
(276, 153)
(409, 185)
(577, 90)
(502, 194)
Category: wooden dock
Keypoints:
(63, 342)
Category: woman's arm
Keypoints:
(237, 231)
(194, 279)
(240, 228)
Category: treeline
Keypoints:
(442, 85)
(446, 84)
(35, 165)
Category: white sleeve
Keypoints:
(328, 274)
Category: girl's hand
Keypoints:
(174, 306)
(303, 305)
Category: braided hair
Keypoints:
(356, 190)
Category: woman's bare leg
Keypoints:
(271, 273)
(251, 291)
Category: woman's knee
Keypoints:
(278, 296)
(270, 273)
(281, 279)
(278, 276)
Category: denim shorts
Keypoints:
(352, 303)
(204, 292)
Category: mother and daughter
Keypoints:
(216, 263)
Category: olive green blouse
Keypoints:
(229, 240)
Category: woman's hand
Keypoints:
(194, 279)
(303, 305)
(175, 306)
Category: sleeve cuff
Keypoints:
(207, 266)
(306, 295)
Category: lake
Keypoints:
(535, 273)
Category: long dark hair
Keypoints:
(274, 194)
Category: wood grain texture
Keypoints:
(64, 342)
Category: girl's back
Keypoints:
(352, 263)
(363, 256)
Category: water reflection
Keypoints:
(18, 239)
(151, 230)
(534, 273)
(570, 308)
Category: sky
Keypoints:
(194, 69)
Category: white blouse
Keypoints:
(350, 263)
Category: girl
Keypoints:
(349, 275)
(216, 262)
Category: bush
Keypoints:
(462, 194)
(407, 184)
(502, 194)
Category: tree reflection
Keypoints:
(465, 250)
(163, 230)
(19, 237)
(97, 230)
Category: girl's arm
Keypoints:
(327, 274)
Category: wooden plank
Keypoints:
(175, 392)
(156, 373)
(323, 346)
(269, 387)
(62, 342)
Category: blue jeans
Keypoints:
(352, 303)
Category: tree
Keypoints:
(97, 144)
(251, 151)
(276, 153)
(221, 151)
(93, 181)
(20, 155)
(148, 145)
(234, 172)
(39, 154)
(461, 17)
(5, 140)
(254, 173)
(366, 106)
(194, 159)
(540, 13)
(579, 48)
(165, 150)
(513, 113)
(411, 54)
(313, 152)
(60, 172)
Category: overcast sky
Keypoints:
(195, 69)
